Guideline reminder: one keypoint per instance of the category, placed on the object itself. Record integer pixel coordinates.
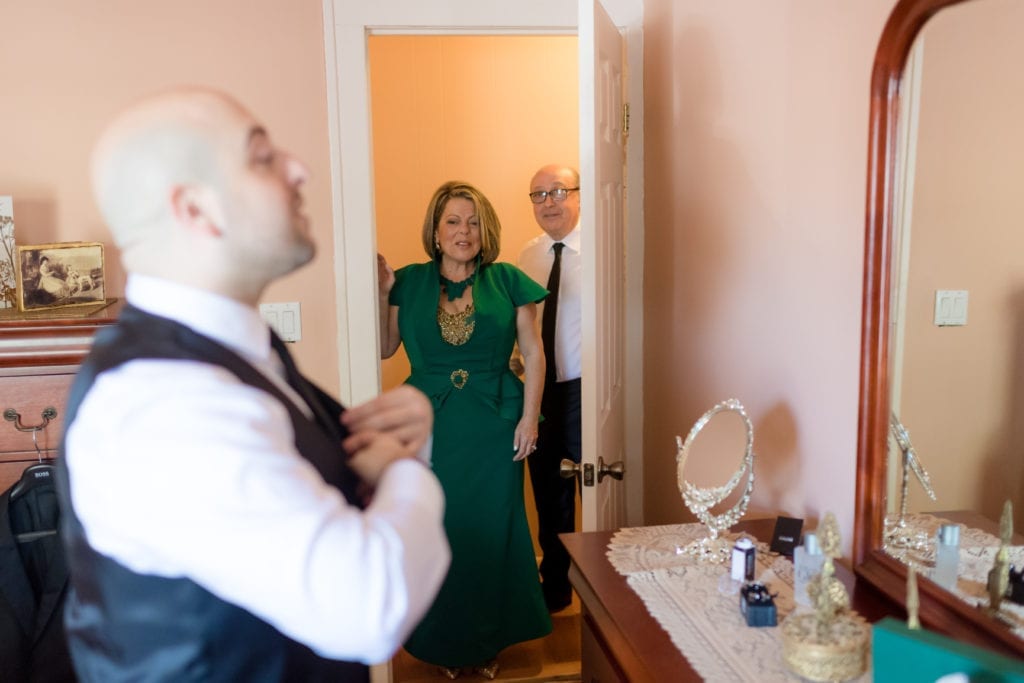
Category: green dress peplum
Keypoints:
(491, 597)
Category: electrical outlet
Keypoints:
(285, 319)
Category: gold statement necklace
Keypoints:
(456, 328)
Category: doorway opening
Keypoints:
(489, 110)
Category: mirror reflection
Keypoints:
(958, 288)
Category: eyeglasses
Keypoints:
(558, 194)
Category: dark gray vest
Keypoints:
(124, 626)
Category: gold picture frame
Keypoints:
(60, 275)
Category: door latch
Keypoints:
(569, 469)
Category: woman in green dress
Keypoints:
(459, 315)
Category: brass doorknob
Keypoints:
(615, 470)
(568, 469)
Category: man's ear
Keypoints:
(198, 208)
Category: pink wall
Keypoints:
(756, 131)
(755, 163)
(67, 65)
(489, 110)
(963, 387)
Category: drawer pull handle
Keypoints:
(11, 415)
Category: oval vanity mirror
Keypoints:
(942, 351)
(716, 456)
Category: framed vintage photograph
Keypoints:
(61, 274)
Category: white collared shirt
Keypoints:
(535, 260)
(178, 469)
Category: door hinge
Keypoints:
(625, 118)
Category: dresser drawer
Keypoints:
(30, 396)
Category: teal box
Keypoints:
(899, 655)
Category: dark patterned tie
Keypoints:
(297, 382)
(547, 323)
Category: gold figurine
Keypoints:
(913, 600)
(828, 594)
(831, 643)
(999, 575)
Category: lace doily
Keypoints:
(702, 620)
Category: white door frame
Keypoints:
(906, 152)
(347, 25)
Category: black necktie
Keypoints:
(547, 323)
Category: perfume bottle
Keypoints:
(743, 554)
(807, 562)
(947, 556)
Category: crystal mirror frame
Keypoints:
(939, 609)
(700, 500)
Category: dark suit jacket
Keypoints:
(33, 583)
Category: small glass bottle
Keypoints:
(743, 554)
(947, 556)
(807, 562)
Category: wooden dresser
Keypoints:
(623, 643)
(38, 359)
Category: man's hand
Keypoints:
(371, 453)
(403, 413)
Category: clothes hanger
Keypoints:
(35, 476)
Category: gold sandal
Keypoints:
(488, 670)
(450, 672)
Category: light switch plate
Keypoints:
(950, 307)
(285, 319)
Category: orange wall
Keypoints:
(756, 121)
(963, 387)
(484, 109)
(488, 110)
(67, 65)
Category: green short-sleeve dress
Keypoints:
(491, 597)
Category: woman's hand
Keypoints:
(385, 277)
(524, 442)
(532, 352)
(390, 336)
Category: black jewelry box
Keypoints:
(757, 605)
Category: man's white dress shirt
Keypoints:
(178, 469)
(535, 260)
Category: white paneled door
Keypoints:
(602, 163)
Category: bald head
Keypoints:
(556, 218)
(191, 170)
(166, 140)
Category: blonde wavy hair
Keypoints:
(490, 226)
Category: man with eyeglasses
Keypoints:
(554, 258)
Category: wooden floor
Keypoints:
(552, 658)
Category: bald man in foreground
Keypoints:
(225, 519)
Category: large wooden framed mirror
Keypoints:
(919, 39)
